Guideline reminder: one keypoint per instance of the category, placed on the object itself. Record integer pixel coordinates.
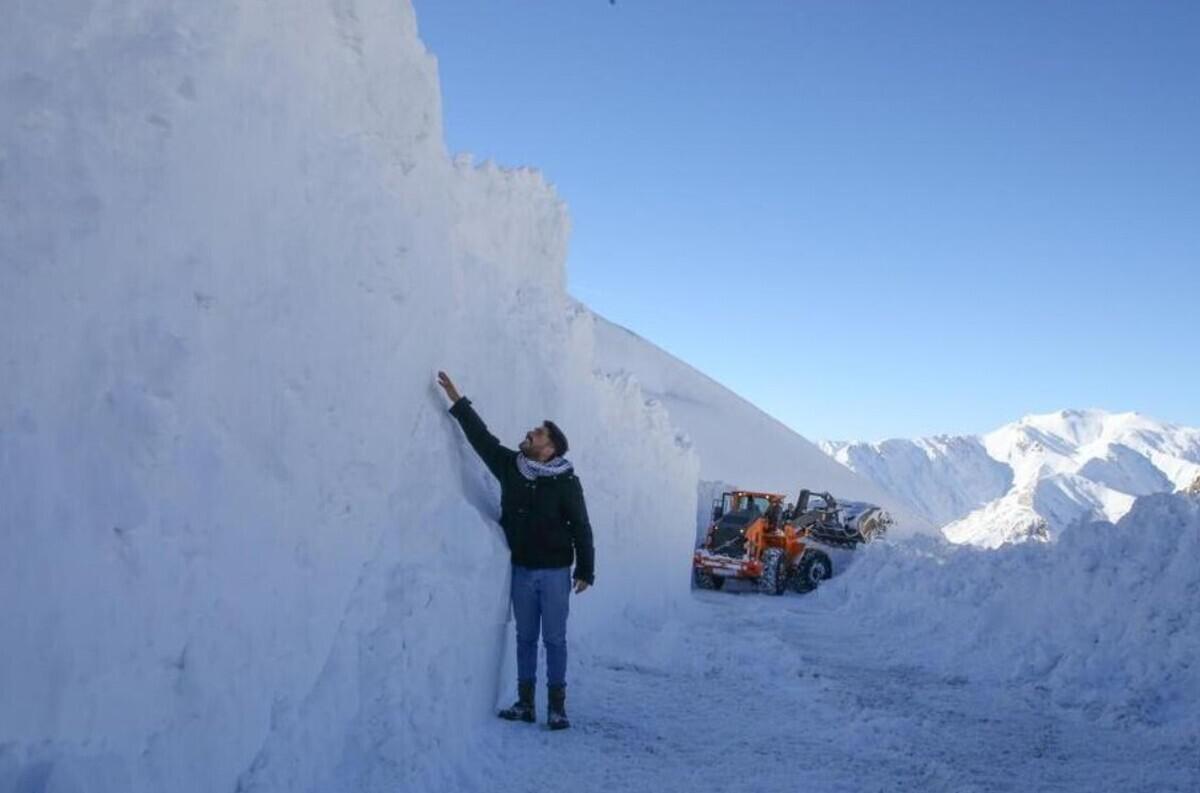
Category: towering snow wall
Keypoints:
(245, 547)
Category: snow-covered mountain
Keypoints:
(1031, 478)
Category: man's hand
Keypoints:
(448, 386)
(580, 585)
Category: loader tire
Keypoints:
(774, 576)
(813, 568)
(705, 580)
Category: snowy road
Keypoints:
(758, 693)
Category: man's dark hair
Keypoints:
(556, 437)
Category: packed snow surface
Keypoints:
(1068, 666)
(1032, 478)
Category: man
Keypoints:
(546, 525)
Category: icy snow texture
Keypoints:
(245, 544)
(1106, 619)
(1032, 478)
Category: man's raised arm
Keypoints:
(486, 445)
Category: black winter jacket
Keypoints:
(545, 520)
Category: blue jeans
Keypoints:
(540, 600)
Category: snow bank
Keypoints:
(246, 546)
(1106, 619)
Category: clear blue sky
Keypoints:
(872, 219)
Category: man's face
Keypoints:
(537, 444)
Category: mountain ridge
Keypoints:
(1031, 478)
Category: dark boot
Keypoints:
(556, 716)
(522, 709)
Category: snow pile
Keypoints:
(735, 441)
(1033, 478)
(246, 547)
(1106, 619)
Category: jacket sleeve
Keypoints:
(485, 444)
(581, 532)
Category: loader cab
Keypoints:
(735, 513)
(754, 503)
(737, 501)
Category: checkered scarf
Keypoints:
(532, 469)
